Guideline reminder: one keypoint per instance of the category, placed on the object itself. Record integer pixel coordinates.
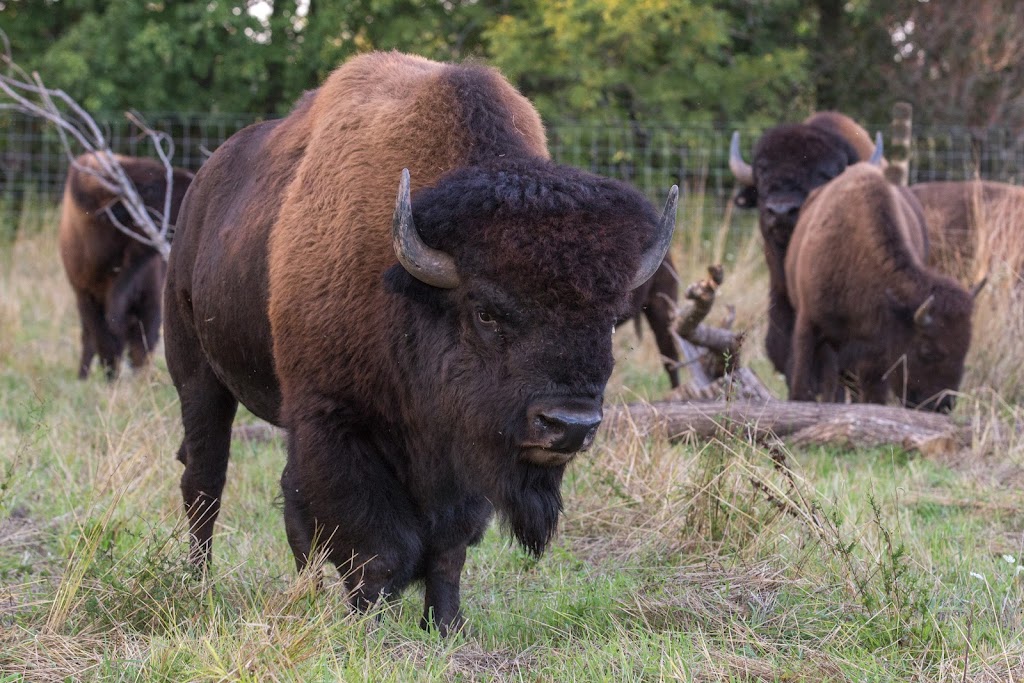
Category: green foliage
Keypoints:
(652, 60)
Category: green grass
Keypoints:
(700, 561)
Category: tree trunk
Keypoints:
(798, 423)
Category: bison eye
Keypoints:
(486, 321)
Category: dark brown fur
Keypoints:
(789, 161)
(856, 274)
(117, 280)
(410, 409)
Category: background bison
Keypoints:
(117, 280)
(973, 219)
(864, 299)
(789, 161)
(433, 359)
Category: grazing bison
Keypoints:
(790, 160)
(967, 217)
(434, 358)
(865, 300)
(117, 280)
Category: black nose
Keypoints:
(564, 429)
(783, 209)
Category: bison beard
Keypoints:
(419, 397)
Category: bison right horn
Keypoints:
(740, 169)
(876, 156)
(428, 265)
(655, 254)
(923, 316)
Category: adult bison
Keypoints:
(117, 280)
(865, 300)
(434, 358)
(789, 161)
(969, 218)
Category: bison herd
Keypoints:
(398, 274)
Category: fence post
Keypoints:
(898, 170)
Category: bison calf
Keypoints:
(117, 280)
(865, 301)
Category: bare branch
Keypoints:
(75, 127)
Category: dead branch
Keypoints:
(28, 95)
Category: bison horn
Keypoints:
(655, 254)
(922, 316)
(876, 156)
(978, 286)
(740, 169)
(428, 265)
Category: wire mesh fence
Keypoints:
(650, 156)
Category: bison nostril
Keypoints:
(569, 431)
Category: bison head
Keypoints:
(789, 161)
(513, 277)
(938, 334)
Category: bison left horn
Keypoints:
(740, 169)
(428, 265)
(655, 254)
(876, 156)
(922, 316)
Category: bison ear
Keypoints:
(746, 197)
(901, 306)
(399, 281)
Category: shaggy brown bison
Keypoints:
(790, 160)
(117, 280)
(965, 218)
(865, 300)
(434, 358)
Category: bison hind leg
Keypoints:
(90, 314)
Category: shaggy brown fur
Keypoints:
(968, 218)
(856, 275)
(117, 280)
(414, 412)
(789, 161)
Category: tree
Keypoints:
(644, 60)
(961, 62)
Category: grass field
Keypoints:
(708, 561)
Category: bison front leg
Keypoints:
(90, 314)
(442, 600)
(803, 379)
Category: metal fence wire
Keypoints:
(651, 156)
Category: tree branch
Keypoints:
(28, 95)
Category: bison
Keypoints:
(790, 160)
(117, 280)
(967, 217)
(656, 301)
(434, 357)
(865, 300)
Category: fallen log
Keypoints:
(797, 423)
(854, 425)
